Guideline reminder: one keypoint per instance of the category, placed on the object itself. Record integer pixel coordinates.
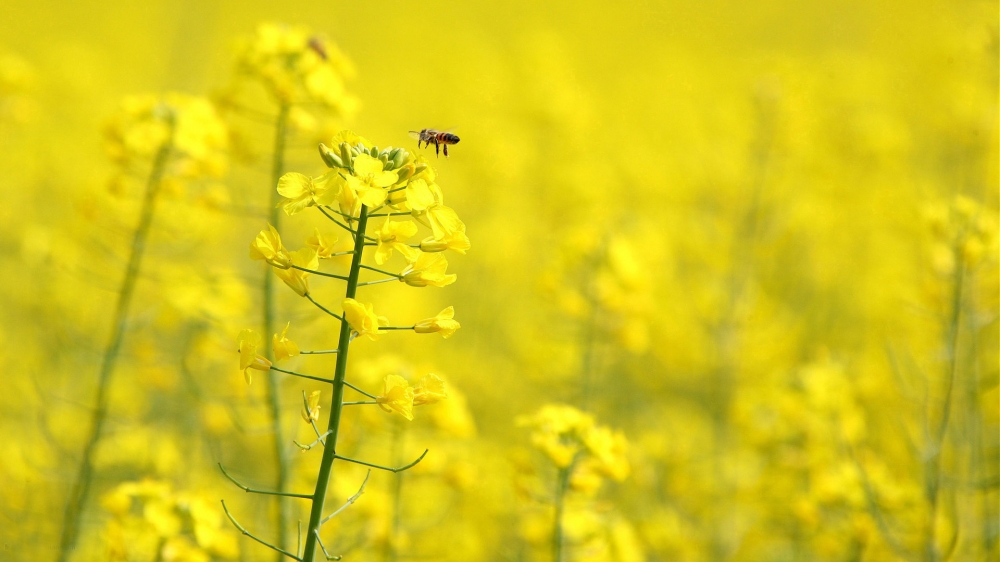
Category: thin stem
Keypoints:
(372, 396)
(326, 310)
(397, 327)
(933, 463)
(344, 226)
(390, 214)
(562, 479)
(350, 500)
(320, 273)
(281, 453)
(319, 439)
(249, 534)
(336, 406)
(387, 468)
(360, 403)
(256, 491)
(382, 271)
(80, 491)
(389, 280)
(320, 352)
(323, 547)
(294, 374)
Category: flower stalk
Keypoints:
(80, 491)
(281, 452)
(336, 403)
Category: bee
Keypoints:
(437, 138)
(316, 44)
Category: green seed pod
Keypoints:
(331, 159)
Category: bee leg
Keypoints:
(437, 149)
(445, 151)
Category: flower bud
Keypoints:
(373, 151)
(345, 155)
(331, 159)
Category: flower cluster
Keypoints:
(961, 231)
(573, 441)
(153, 521)
(296, 65)
(183, 126)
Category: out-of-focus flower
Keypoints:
(444, 323)
(283, 347)
(397, 396)
(428, 390)
(248, 342)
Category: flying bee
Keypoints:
(316, 44)
(437, 138)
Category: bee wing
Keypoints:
(415, 135)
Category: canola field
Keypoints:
(698, 281)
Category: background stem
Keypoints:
(281, 452)
(81, 487)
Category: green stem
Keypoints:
(933, 463)
(336, 405)
(81, 487)
(562, 480)
(281, 453)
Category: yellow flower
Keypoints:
(369, 180)
(428, 269)
(296, 278)
(284, 348)
(444, 323)
(267, 246)
(456, 241)
(300, 191)
(608, 449)
(397, 397)
(363, 319)
(391, 236)
(248, 342)
(322, 243)
(427, 206)
(429, 390)
(311, 412)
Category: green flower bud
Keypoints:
(374, 152)
(345, 155)
(331, 159)
(399, 158)
(385, 160)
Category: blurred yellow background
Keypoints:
(760, 240)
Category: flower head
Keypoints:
(322, 243)
(369, 180)
(248, 341)
(296, 278)
(363, 319)
(310, 411)
(428, 269)
(397, 397)
(283, 347)
(391, 237)
(444, 323)
(301, 191)
(267, 246)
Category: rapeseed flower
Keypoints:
(444, 323)
(397, 396)
(363, 319)
(248, 341)
(428, 269)
(283, 347)
(267, 246)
